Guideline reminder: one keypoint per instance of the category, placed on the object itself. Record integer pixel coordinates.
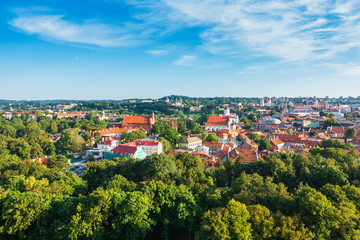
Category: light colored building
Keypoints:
(150, 147)
(226, 135)
(97, 153)
(192, 143)
(214, 148)
(130, 149)
(222, 122)
(8, 115)
(108, 143)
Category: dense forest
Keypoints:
(281, 196)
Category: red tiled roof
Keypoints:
(116, 130)
(338, 130)
(217, 121)
(220, 155)
(276, 141)
(125, 149)
(213, 145)
(129, 120)
(250, 156)
(146, 143)
(202, 154)
(108, 140)
(252, 143)
(226, 149)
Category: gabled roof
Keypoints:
(125, 149)
(212, 145)
(226, 133)
(252, 143)
(129, 120)
(276, 141)
(193, 139)
(107, 131)
(202, 154)
(220, 155)
(249, 155)
(217, 121)
(338, 130)
(146, 143)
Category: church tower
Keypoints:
(227, 111)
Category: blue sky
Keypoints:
(112, 49)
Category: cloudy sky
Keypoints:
(113, 49)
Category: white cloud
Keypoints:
(55, 27)
(185, 60)
(294, 31)
(299, 30)
(158, 52)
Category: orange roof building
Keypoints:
(216, 123)
(134, 122)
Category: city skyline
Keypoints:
(108, 49)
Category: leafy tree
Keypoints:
(19, 212)
(59, 162)
(166, 145)
(264, 144)
(226, 223)
(350, 133)
(87, 138)
(330, 123)
(212, 138)
(70, 141)
(97, 136)
(239, 137)
(255, 137)
(171, 135)
(317, 212)
(262, 222)
(53, 127)
(159, 167)
(252, 117)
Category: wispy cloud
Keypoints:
(299, 30)
(185, 60)
(55, 27)
(292, 31)
(158, 52)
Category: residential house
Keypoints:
(109, 143)
(192, 143)
(277, 142)
(209, 159)
(214, 148)
(249, 144)
(247, 154)
(150, 147)
(130, 149)
(227, 135)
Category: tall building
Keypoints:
(262, 103)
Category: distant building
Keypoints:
(222, 122)
(192, 143)
(214, 148)
(130, 149)
(63, 107)
(150, 147)
(8, 115)
(134, 122)
(249, 144)
(108, 143)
